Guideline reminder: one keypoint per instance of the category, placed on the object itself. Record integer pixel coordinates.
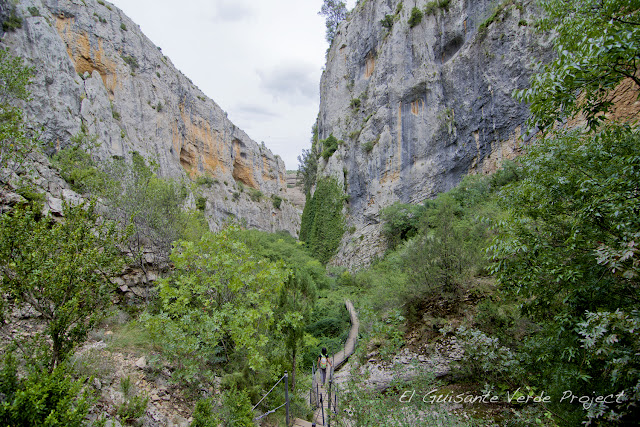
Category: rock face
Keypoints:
(96, 72)
(419, 107)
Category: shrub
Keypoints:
(77, 167)
(368, 146)
(33, 11)
(387, 21)
(276, 200)
(201, 203)
(218, 299)
(12, 23)
(134, 405)
(355, 103)
(203, 415)
(123, 27)
(62, 270)
(484, 358)
(432, 6)
(41, 397)
(255, 195)
(330, 145)
(416, 17)
(132, 61)
(205, 180)
(237, 408)
(400, 222)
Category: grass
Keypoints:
(132, 336)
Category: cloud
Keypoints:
(256, 111)
(232, 11)
(295, 83)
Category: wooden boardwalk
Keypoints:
(337, 360)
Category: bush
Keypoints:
(330, 145)
(388, 21)
(206, 180)
(416, 17)
(62, 270)
(368, 146)
(201, 203)
(12, 23)
(78, 168)
(432, 6)
(255, 195)
(485, 360)
(219, 298)
(237, 409)
(132, 61)
(41, 397)
(203, 415)
(276, 200)
(400, 222)
(134, 406)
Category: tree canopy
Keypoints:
(335, 11)
(597, 43)
(62, 269)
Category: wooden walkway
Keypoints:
(337, 360)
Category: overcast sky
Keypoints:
(260, 60)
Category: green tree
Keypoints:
(442, 258)
(335, 11)
(597, 46)
(16, 143)
(578, 196)
(297, 295)
(61, 269)
(151, 206)
(400, 222)
(217, 306)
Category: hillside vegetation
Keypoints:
(534, 270)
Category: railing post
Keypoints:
(329, 397)
(286, 394)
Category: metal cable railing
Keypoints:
(285, 377)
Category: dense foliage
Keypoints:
(41, 397)
(217, 305)
(17, 142)
(61, 269)
(322, 220)
(329, 146)
(567, 250)
(597, 46)
(152, 207)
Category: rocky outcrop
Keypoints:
(295, 192)
(417, 108)
(97, 73)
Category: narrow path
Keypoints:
(337, 360)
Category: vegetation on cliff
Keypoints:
(322, 220)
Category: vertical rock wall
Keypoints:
(419, 107)
(96, 72)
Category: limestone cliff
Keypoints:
(420, 105)
(96, 71)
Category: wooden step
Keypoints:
(302, 423)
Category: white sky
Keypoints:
(260, 60)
